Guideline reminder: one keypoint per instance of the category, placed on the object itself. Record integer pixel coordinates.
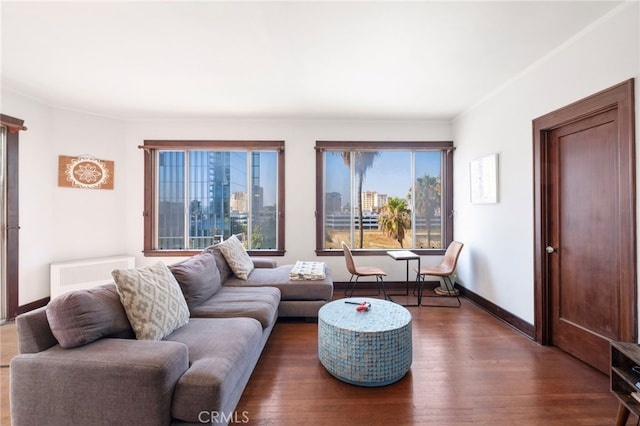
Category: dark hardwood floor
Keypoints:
(468, 368)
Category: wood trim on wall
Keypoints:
(514, 321)
(33, 305)
(13, 227)
(14, 126)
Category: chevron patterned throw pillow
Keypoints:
(237, 257)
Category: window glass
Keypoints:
(368, 199)
(171, 200)
(264, 213)
(338, 209)
(428, 200)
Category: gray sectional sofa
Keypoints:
(81, 363)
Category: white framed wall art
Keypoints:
(484, 179)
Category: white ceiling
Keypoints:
(355, 60)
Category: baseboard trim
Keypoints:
(503, 315)
(33, 305)
(371, 285)
(514, 321)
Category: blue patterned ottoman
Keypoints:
(366, 348)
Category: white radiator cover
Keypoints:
(85, 273)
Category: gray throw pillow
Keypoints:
(80, 317)
(198, 277)
(221, 263)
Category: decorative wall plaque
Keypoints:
(85, 172)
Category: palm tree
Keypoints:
(363, 162)
(427, 202)
(395, 218)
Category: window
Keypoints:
(198, 193)
(365, 196)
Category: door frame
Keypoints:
(12, 225)
(621, 98)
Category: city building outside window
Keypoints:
(378, 196)
(198, 193)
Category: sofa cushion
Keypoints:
(152, 300)
(236, 256)
(260, 303)
(264, 262)
(80, 317)
(289, 289)
(198, 278)
(220, 353)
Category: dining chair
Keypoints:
(444, 270)
(361, 271)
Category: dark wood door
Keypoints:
(588, 233)
(583, 233)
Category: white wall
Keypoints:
(57, 223)
(497, 262)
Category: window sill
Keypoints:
(379, 252)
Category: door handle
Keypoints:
(550, 249)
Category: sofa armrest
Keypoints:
(263, 262)
(109, 381)
(34, 333)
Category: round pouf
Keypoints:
(366, 348)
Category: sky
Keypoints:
(390, 173)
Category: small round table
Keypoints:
(366, 348)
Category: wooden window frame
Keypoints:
(447, 194)
(150, 185)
